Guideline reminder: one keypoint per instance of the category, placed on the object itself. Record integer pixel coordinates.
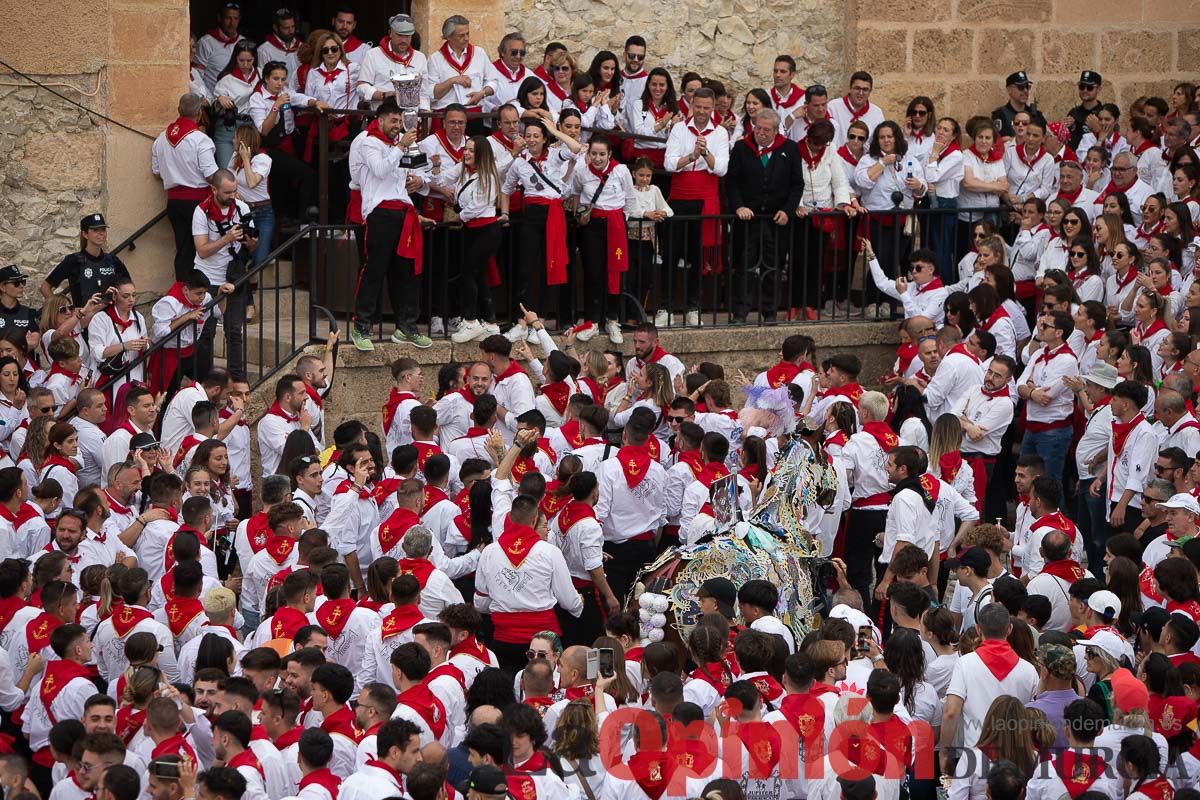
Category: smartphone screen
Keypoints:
(606, 660)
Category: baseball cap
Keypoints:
(1182, 500)
(974, 558)
(1109, 642)
(402, 24)
(1059, 661)
(1106, 604)
(721, 590)
(142, 441)
(92, 221)
(1128, 692)
(1018, 78)
(1103, 374)
(1089, 78)
(12, 273)
(219, 601)
(1151, 620)
(487, 779)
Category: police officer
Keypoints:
(1089, 104)
(1017, 85)
(89, 271)
(13, 313)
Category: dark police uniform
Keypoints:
(1003, 116)
(20, 317)
(1079, 114)
(84, 274)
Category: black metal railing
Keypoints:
(130, 241)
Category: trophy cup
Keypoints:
(407, 84)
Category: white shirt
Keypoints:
(474, 202)
(842, 115)
(177, 419)
(352, 520)
(945, 174)
(1027, 250)
(618, 192)
(977, 686)
(626, 512)
(541, 581)
(338, 88)
(438, 70)
(551, 184)
(110, 648)
(453, 417)
(1134, 466)
(515, 395)
(1046, 371)
(993, 414)
(214, 54)
(370, 783)
(349, 646)
(1038, 178)
(826, 185)
(103, 332)
(866, 469)
(877, 193)
(1137, 192)
(187, 164)
(273, 431)
(984, 172)
(919, 301)
(215, 267)
(1184, 434)
(682, 141)
(379, 175)
(168, 309)
(958, 375)
(908, 520)
(377, 67)
(1054, 589)
(67, 704)
(504, 83)
(582, 545)
(258, 571)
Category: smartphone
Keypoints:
(163, 769)
(593, 664)
(606, 661)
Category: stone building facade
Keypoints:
(128, 59)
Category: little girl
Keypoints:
(649, 208)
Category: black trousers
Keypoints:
(293, 184)
(627, 561)
(756, 258)
(530, 269)
(584, 629)
(598, 304)
(860, 550)
(687, 242)
(511, 656)
(404, 286)
(179, 214)
(479, 246)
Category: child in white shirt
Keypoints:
(649, 208)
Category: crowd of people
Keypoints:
(444, 600)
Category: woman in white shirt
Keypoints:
(1083, 270)
(232, 93)
(653, 114)
(476, 186)
(851, 153)
(944, 172)
(1055, 254)
(1031, 241)
(562, 71)
(251, 168)
(1096, 173)
(117, 337)
(885, 170)
(983, 178)
(595, 109)
(332, 79)
(1108, 135)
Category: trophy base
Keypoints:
(415, 160)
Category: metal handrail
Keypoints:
(129, 243)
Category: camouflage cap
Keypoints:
(1058, 660)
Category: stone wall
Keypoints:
(735, 41)
(959, 51)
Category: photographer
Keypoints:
(225, 238)
(89, 270)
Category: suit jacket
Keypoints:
(764, 190)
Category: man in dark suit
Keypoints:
(764, 181)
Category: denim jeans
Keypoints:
(223, 142)
(1089, 517)
(1052, 446)
(264, 220)
(942, 238)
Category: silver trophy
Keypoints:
(407, 84)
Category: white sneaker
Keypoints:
(661, 318)
(454, 324)
(585, 331)
(692, 319)
(491, 327)
(613, 329)
(468, 331)
(516, 333)
(869, 311)
(828, 308)
(436, 326)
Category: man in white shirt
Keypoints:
(393, 55)
(1125, 179)
(511, 385)
(992, 671)
(1050, 406)
(141, 412)
(184, 157)
(398, 743)
(348, 625)
(1174, 425)
(630, 507)
(855, 105)
(1058, 572)
(866, 458)
(910, 514)
(697, 156)
(958, 375)
(985, 414)
(285, 415)
(1132, 452)
(177, 419)
(133, 617)
(214, 48)
(1071, 188)
(61, 692)
(91, 409)
(922, 292)
(647, 349)
(282, 44)
(317, 374)
(1045, 497)
(344, 23)
(456, 71)
(506, 74)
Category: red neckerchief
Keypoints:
(961, 349)
(258, 531)
(119, 324)
(179, 129)
(352, 43)
(851, 391)
(512, 369)
(250, 78)
(635, 463)
(607, 170)
(176, 745)
(556, 90)
(472, 647)
(998, 656)
(694, 460)
(598, 390)
(1130, 275)
(656, 112)
(949, 464)
(1157, 789)
(380, 765)
(786, 102)
(50, 548)
(424, 451)
(432, 496)
(246, 758)
(1072, 197)
(1048, 355)
(59, 461)
(428, 707)
(517, 541)
(1058, 522)
(1155, 327)
(585, 691)
(395, 398)
(459, 66)
(278, 43)
(990, 156)
(847, 156)
(455, 153)
(321, 777)
(513, 77)
(401, 619)
(419, 568)
(38, 630)
(996, 316)
(1078, 277)
(936, 283)
(806, 153)
(504, 141)
(334, 614)
(953, 147)
(782, 373)
(127, 618)
(1067, 569)
(386, 47)
(768, 688)
(574, 512)
(1029, 162)
(473, 433)
(1142, 233)
(1191, 608)
(374, 132)
(315, 396)
(571, 433)
(883, 435)
(392, 529)
(714, 674)
(286, 622)
(220, 36)
(181, 611)
(1112, 188)
(59, 672)
(558, 393)
(535, 763)
(855, 115)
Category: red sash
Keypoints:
(181, 611)
(702, 185)
(394, 527)
(557, 254)
(472, 647)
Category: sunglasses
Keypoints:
(532, 654)
(920, 112)
(853, 138)
(633, 57)
(328, 50)
(676, 420)
(562, 68)
(516, 53)
(1078, 254)
(1086, 87)
(17, 282)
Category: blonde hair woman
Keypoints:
(61, 318)
(945, 461)
(562, 71)
(649, 388)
